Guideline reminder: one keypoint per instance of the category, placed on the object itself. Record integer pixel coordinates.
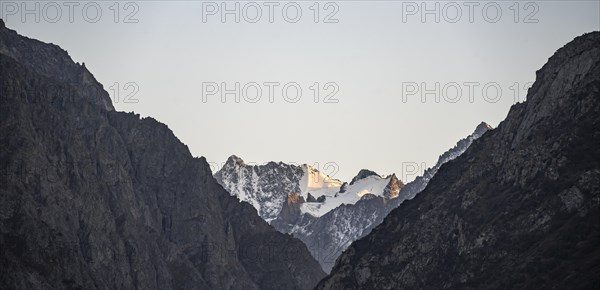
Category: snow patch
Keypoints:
(370, 185)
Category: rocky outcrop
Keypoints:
(393, 188)
(92, 198)
(519, 209)
(363, 173)
(290, 212)
(344, 187)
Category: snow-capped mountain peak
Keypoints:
(267, 186)
(317, 183)
(264, 186)
(372, 184)
(363, 173)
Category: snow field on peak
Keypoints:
(369, 185)
(317, 183)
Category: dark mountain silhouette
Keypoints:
(92, 198)
(519, 209)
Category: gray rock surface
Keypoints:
(290, 213)
(92, 198)
(393, 188)
(266, 186)
(519, 209)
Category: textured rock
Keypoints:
(393, 188)
(92, 198)
(344, 187)
(266, 187)
(519, 209)
(363, 173)
(51, 61)
(290, 212)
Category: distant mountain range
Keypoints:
(326, 214)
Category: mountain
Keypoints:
(328, 235)
(266, 187)
(519, 209)
(273, 187)
(293, 198)
(326, 214)
(92, 198)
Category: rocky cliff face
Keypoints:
(266, 187)
(393, 188)
(519, 209)
(92, 198)
(290, 212)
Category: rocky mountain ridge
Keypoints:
(519, 209)
(92, 198)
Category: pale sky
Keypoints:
(372, 56)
